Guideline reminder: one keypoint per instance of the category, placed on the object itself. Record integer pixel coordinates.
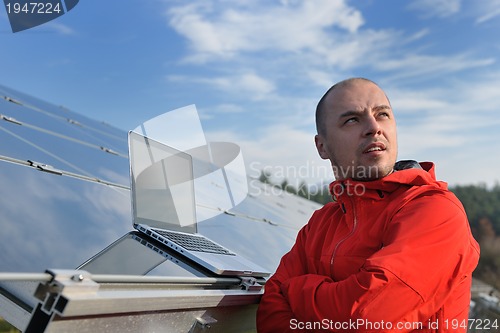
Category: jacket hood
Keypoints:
(409, 173)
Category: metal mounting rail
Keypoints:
(77, 301)
(50, 169)
(62, 136)
(111, 278)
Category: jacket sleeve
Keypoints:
(428, 251)
(274, 313)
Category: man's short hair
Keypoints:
(320, 108)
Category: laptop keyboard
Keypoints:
(194, 243)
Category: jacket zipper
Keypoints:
(355, 223)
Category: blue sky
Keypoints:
(256, 69)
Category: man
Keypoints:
(392, 253)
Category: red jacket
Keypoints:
(390, 255)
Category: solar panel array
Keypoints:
(64, 184)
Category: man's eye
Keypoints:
(350, 120)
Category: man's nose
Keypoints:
(372, 127)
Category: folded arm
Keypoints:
(427, 251)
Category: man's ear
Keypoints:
(320, 146)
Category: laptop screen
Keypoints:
(162, 189)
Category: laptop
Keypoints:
(138, 254)
(164, 207)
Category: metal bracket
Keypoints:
(74, 122)
(250, 284)
(63, 280)
(108, 150)
(52, 300)
(10, 119)
(10, 99)
(45, 167)
(203, 323)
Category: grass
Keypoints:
(5, 327)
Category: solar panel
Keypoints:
(45, 206)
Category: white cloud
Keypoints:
(483, 11)
(59, 28)
(410, 102)
(439, 8)
(454, 125)
(228, 108)
(297, 39)
(298, 158)
(247, 84)
(476, 97)
(273, 51)
(461, 157)
(291, 26)
(487, 10)
(418, 35)
(415, 65)
(255, 84)
(322, 78)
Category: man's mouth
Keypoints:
(374, 147)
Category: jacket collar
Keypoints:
(409, 173)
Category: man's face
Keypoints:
(360, 139)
